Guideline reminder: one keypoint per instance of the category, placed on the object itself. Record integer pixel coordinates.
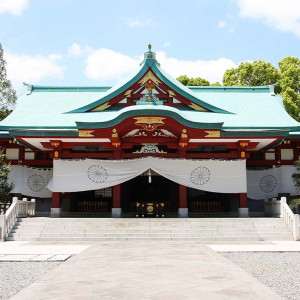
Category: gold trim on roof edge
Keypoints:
(151, 76)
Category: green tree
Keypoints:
(216, 84)
(290, 85)
(8, 95)
(183, 79)
(252, 74)
(5, 187)
(198, 81)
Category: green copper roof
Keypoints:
(237, 108)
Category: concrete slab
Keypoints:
(39, 248)
(272, 246)
(42, 257)
(147, 270)
(59, 257)
(24, 257)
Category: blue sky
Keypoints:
(89, 42)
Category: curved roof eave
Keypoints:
(142, 112)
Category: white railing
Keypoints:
(18, 208)
(291, 219)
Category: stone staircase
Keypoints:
(200, 229)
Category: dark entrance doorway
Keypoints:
(140, 190)
(96, 201)
(202, 203)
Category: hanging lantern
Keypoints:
(149, 173)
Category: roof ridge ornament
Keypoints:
(149, 55)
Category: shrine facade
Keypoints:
(151, 142)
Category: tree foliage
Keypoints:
(8, 95)
(5, 187)
(251, 74)
(198, 81)
(290, 85)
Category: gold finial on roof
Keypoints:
(149, 47)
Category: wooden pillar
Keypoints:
(182, 196)
(182, 190)
(21, 154)
(116, 211)
(243, 205)
(56, 205)
(278, 154)
(243, 200)
(117, 196)
(56, 200)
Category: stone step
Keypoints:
(77, 229)
(206, 232)
(150, 224)
(146, 238)
(150, 220)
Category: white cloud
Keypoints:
(31, 69)
(76, 50)
(14, 7)
(212, 70)
(137, 22)
(221, 24)
(105, 64)
(283, 15)
(167, 44)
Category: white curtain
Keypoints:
(208, 175)
(268, 183)
(31, 182)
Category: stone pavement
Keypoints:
(147, 270)
(33, 251)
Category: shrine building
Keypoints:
(151, 142)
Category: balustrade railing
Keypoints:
(18, 208)
(292, 220)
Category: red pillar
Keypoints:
(56, 200)
(117, 196)
(116, 205)
(243, 200)
(182, 205)
(182, 196)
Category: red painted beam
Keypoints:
(269, 162)
(87, 155)
(31, 162)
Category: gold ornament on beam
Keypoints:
(212, 133)
(197, 107)
(149, 123)
(171, 94)
(86, 133)
(128, 93)
(114, 133)
(102, 107)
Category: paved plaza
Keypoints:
(142, 270)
